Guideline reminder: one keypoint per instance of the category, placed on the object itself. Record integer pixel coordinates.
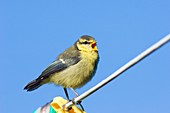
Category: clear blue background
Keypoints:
(34, 32)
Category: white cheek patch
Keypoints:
(62, 61)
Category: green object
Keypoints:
(52, 110)
(45, 109)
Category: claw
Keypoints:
(78, 103)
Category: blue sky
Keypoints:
(33, 33)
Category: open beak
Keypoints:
(94, 46)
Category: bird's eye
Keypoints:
(85, 42)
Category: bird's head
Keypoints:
(87, 43)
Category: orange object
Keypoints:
(57, 105)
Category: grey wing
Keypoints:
(58, 66)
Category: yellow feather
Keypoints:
(79, 73)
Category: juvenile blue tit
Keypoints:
(73, 68)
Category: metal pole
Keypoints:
(121, 70)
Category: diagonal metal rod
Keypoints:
(120, 70)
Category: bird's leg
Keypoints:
(65, 91)
(79, 102)
(74, 92)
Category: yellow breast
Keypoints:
(79, 74)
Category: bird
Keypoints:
(72, 69)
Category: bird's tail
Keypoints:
(33, 85)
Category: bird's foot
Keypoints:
(78, 103)
(66, 109)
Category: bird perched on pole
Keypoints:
(73, 68)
